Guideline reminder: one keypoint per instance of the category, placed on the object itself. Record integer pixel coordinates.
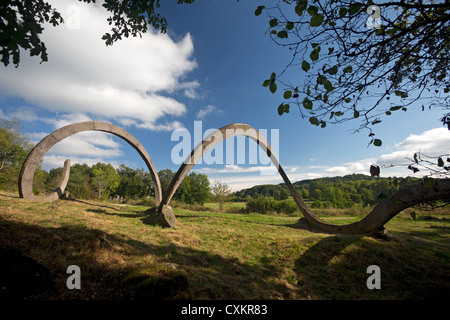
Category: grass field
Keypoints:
(223, 255)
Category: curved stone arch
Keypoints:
(29, 166)
(382, 213)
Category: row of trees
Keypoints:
(102, 181)
(337, 192)
(99, 181)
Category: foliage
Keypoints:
(104, 179)
(353, 66)
(134, 183)
(278, 192)
(336, 192)
(14, 148)
(193, 189)
(22, 23)
(267, 205)
(221, 192)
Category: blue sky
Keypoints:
(209, 67)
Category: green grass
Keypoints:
(226, 256)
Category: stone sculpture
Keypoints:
(385, 210)
(29, 166)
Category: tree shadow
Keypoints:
(107, 274)
(90, 204)
(9, 196)
(133, 214)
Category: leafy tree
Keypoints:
(353, 66)
(104, 179)
(199, 188)
(79, 184)
(165, 177)
(21, 24)
(14, 148)
(133, 183)
(221, 191)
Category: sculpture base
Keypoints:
(167, 217)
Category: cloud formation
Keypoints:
(127, 82)
(207, 110)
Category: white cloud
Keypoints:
(433, 142)
(55, 161)
(125, 82)
(207, 110)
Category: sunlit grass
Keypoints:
(227, 256)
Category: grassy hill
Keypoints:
(221, 255)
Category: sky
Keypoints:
(204, 73)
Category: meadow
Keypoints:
(213, 255)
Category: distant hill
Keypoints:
(341, 192)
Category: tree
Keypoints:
(14, 148)
(79, 184)
(361, 60)
(104, 179)
(133, 183)
(165, 177)
(221, 192)
(199, 184)
(21, 24)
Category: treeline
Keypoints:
(102, 181)
(336, 192)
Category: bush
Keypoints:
(266, 205)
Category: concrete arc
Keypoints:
(29, 166)
(372, 223)
(220, 135)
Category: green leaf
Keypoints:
(330, 50)
(348, 100)
(266, 83)
(287, 94)
(355, 113)
(282, 34)
(316, 20)
(332, 70)
(289, 25)
(377, 142)
(395, 108)
(312, 10)
(354, 8)
(273, 87)
(305, 65)
(298, 11)
(342, 12)
(259, 10)
(272, 77)
(348, 69)
(307, 104)
(314, 121)
(402, 94)
(283, 108)
(440, 162)
(273, 22)
(328, 86)
(388, 113)
(314, 55)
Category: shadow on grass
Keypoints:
(411, 267)
(133, 214)
(107, 260)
